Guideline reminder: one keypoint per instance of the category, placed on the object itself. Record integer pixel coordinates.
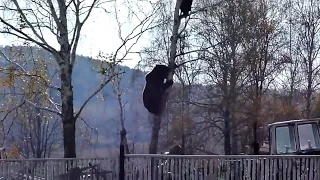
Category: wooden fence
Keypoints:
(243, 167)
(166, 167)
(59, 169)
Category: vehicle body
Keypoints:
(297, 137)
(294, 137)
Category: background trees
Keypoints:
(245, 63)
(257, 62)
(36, 21)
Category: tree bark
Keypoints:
(65, 60)
(227, 138)
(153, 147)
(68, 120)
(309, 89)
(234, 138)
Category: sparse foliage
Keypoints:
(38, 21)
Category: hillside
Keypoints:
(101, 112)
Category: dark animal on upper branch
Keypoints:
(155, 88)
(185, 7)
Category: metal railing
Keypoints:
(56, 169)
(215, 167)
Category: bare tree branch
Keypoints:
(11, 110)
(93, 94)
(36, 77)
(43, 108)
(28, 23)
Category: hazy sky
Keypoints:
(100, 33)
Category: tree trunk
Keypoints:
(257, 109)
(255, 143)
(153, 147)
(227, 139)
(309, 91)
(124, 140)
(69, 123)
(65, 60)
(235, 139)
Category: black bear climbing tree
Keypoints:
(153, 147)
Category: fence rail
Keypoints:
(56, 169)
(198, 167)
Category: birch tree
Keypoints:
(153, 146)
(35, 21)
(37, 16)
(170, 53)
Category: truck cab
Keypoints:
(300, 137)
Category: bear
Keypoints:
(155, 88)
(185, 7)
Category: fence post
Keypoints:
(122, 154)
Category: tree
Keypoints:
(164, 48)
(221, 30)
(65, 55)
(186, 75)
(54, 18)
(32, 129)
(307, 25)
(262, 44)
(118, 90)
(153, 147)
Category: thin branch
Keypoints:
(202, 49)
(128, 38)
(44, 108)
(84, 121)
(53, 12)
(11, 110)
(205, 8)
(25, 36)
(77, 30)
(95, 93)
(11, 124)
(34, 76)
(29, 24)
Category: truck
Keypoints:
(290, 153)
(296, 137)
